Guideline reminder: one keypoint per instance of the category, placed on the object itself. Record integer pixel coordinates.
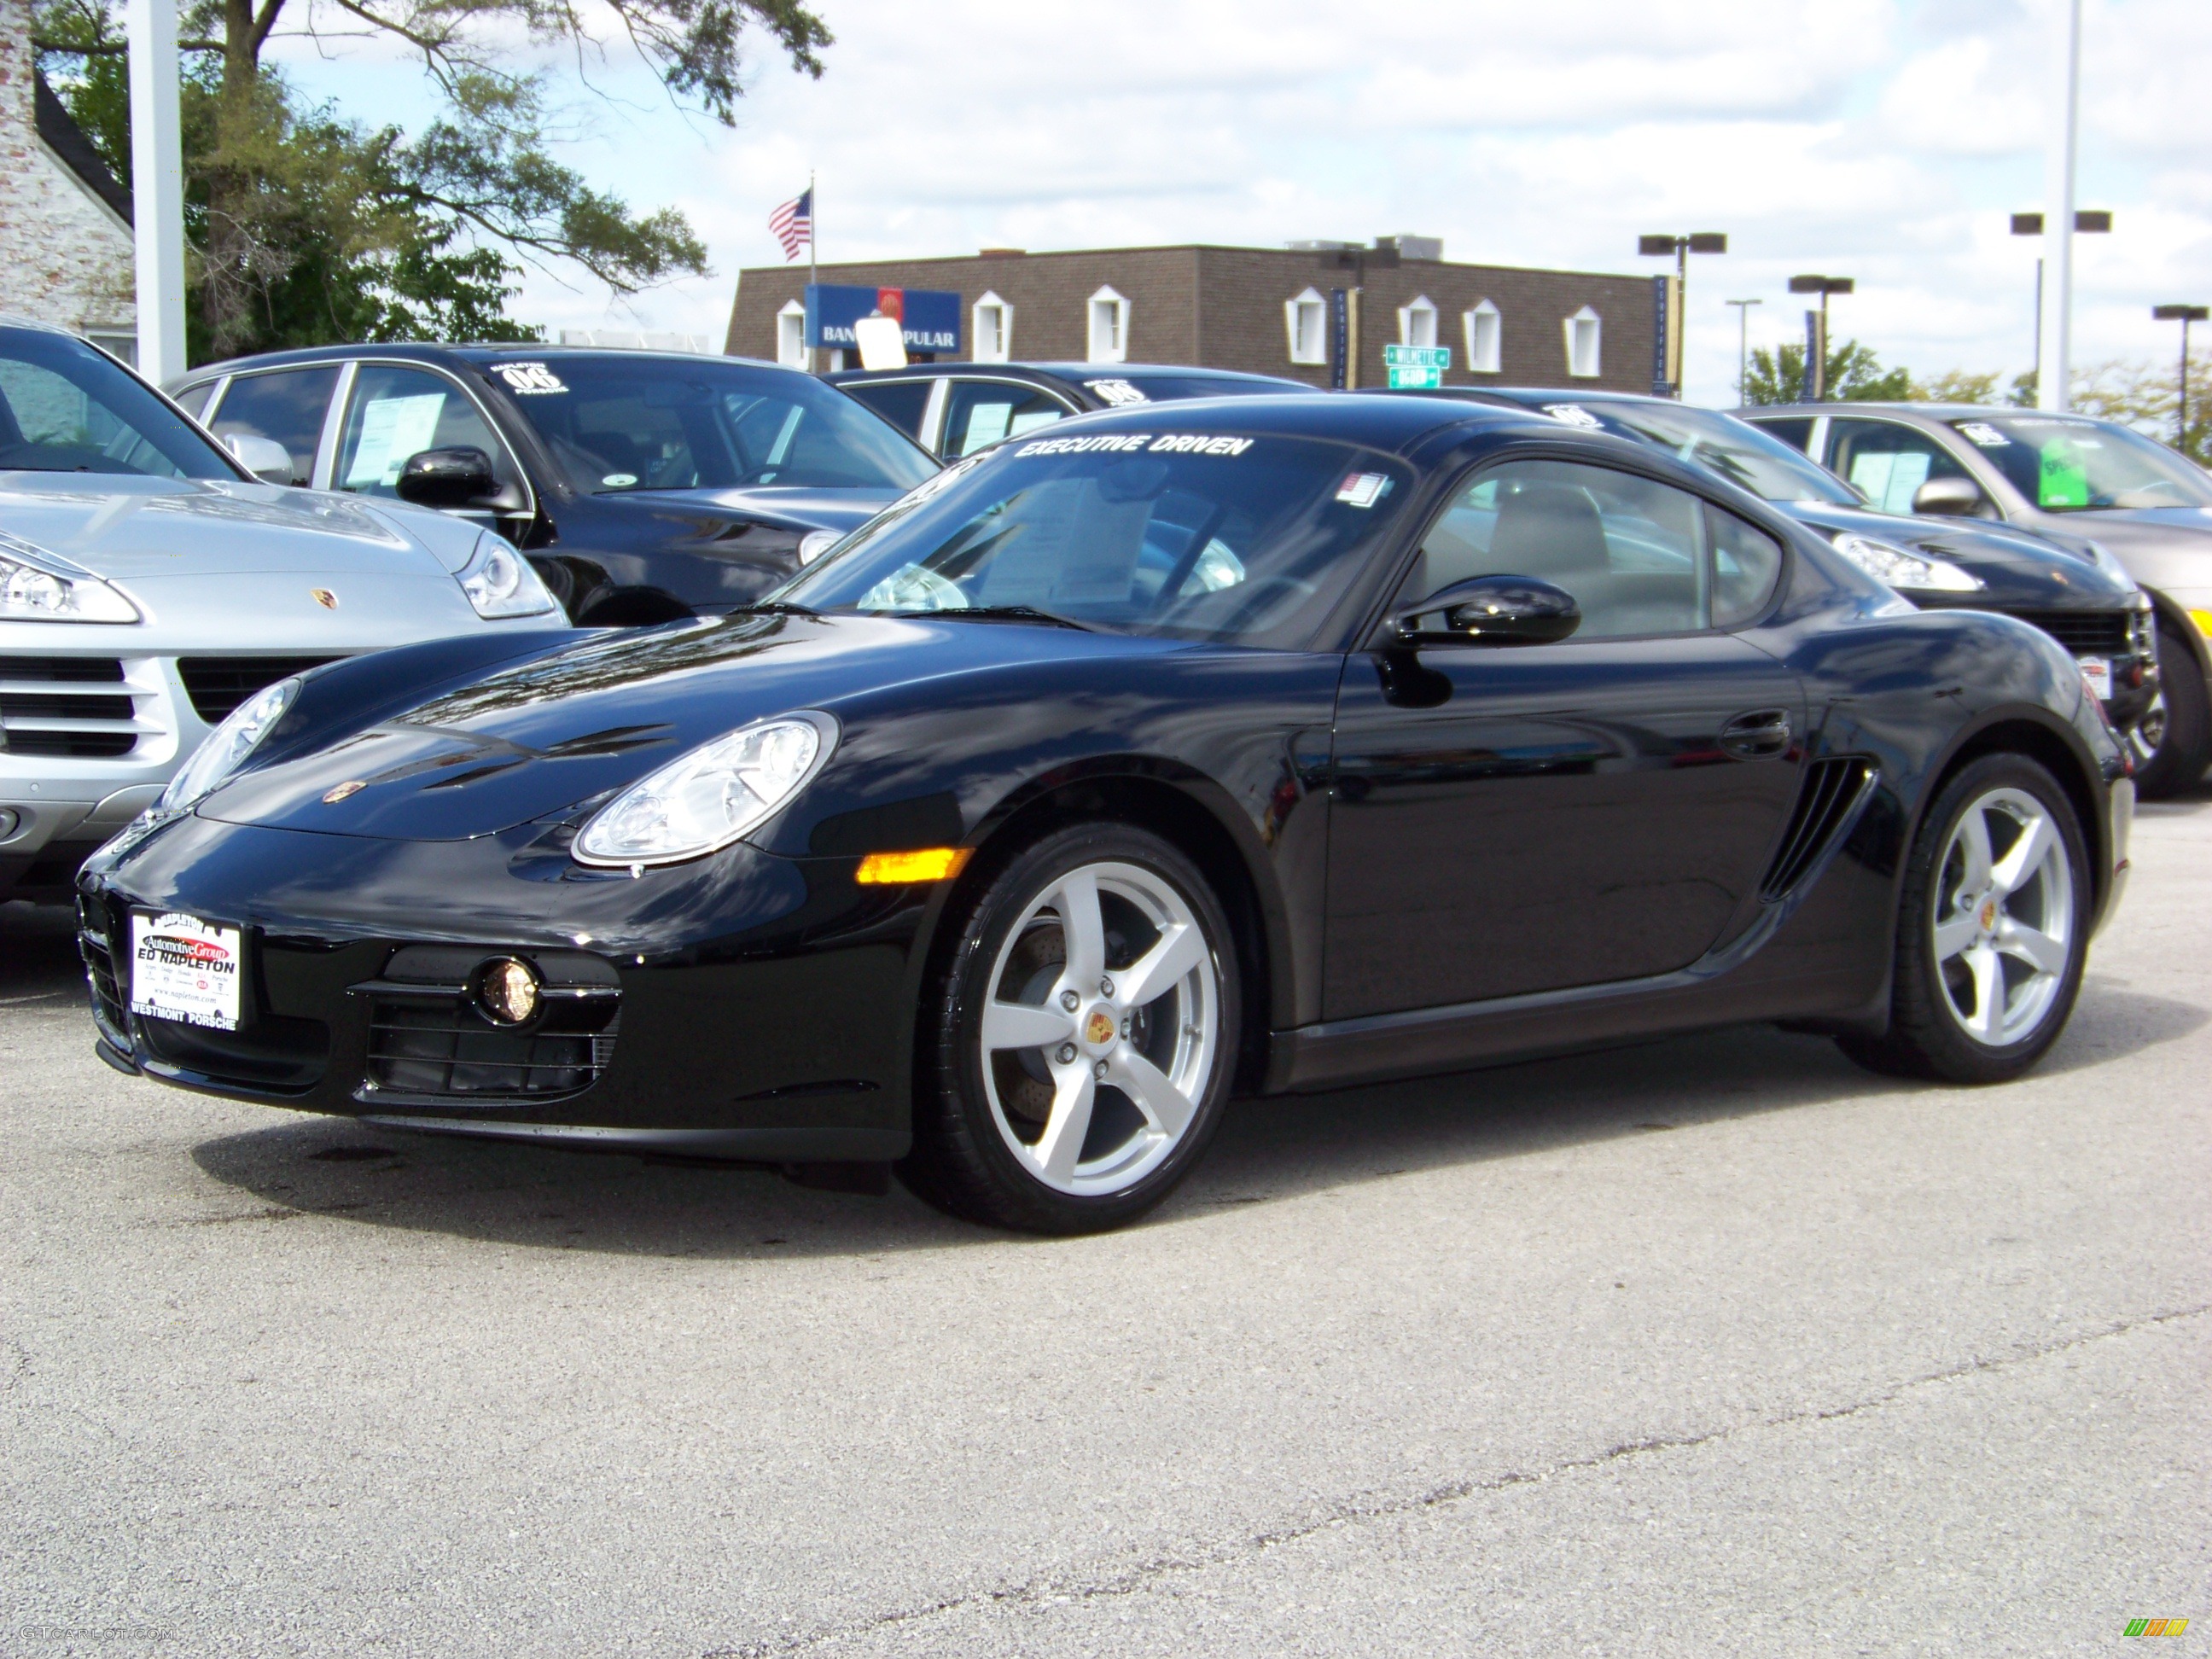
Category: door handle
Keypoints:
(1763, 734)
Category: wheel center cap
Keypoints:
(1988, 915)
(1098, 1030)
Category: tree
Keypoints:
(306, 226)
(1855, 375)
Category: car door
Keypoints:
(1889, 461)
(394, 411)
(1523, 818)
(980, 413)
(286, 406)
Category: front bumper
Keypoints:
(746, 1006)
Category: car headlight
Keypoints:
(1886, 563)
(37, 587)
(500, 582)
(815, 543)
(228, 745)
(702, 801)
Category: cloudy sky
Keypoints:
(1886, 140)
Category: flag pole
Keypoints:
(813, 218)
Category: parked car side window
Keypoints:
(903, 402)
(400, 412)
(286, 406)
(193, 398)
(1888, 461)
(1747, 564)
(979, 413)
(1632, 552)
(1797, 433)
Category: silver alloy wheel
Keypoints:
(1102, 1029)
(2004, 917)
(2149, 732)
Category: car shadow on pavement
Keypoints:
(1268, 1151)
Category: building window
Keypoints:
(1485, 338)
(1109, 327)
(1582, 355)
(1417, 323)
(791, 335)
(993, 321)
(1306, 320)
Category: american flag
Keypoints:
(793, 223)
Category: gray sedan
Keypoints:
(150, 586)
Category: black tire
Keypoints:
(2185, 746)
(960, 1161)
(1927, 1037)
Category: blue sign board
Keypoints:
(929, 319)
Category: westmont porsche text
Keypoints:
(1260, 744)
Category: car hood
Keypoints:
(2183, 528)
(125, 527)
(793, 507)
(537, 737)
(2018, 567)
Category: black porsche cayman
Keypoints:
(1256, 745)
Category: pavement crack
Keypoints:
(1051, 1587)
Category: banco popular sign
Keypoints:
(929, 319)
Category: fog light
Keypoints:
(508, 992)
(8, 820)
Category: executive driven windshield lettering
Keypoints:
(1130, 443)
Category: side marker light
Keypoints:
(2204, 621)
(927, 864)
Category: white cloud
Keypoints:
(1882, 139)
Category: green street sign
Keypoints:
(1419, 379)
(1402, 357)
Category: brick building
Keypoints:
(1264, 310)
(65, 245)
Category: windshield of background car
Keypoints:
(1203, 536)
(1172, 388)
(1741, 453)
(65, 408)
(2073, 465)
(616, 424)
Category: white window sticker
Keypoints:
(529, 379)
(1120, 443)
(1115, 392)
(2097, 675)
(391, 429)
(184, 968)
(1363, 489)
(619, 480)
(1199, 443)
(1574, 415)
(1982, 433)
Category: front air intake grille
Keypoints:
(429, 1038)
(107, 990)
(2085, 633)
(217, 685)
(1824, 801)
(64, 708)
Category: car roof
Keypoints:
(1075, 373)
(1928, 411)
(433, 352)
(1384, 423)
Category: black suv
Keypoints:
(953, 410)
(644, 486)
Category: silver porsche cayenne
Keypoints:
(150, 583)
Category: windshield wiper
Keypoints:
(1028, 613)
(781, 608)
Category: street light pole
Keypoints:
(157, 187)
(1816, 350)
(1742, 343)
(2185, 315)
(2086, 221)
(1702, 241)
(2055, 359)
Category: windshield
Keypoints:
(1173, 388)
(1243, 540)
(2073, 465)
(1741, 452)
(65, 408)
(616, 423)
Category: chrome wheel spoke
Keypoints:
(2020, 862)
(1988, 1022)
(2046, 954)
(1180, 949)
(1956, 935)
(1165, 1107)
(1061, 1144)
(1083, 929)
(1025, 1025)
(1974, 842)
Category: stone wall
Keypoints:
(65, 256)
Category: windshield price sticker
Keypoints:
(184, 968)
(1130, 443)
(529, 379)
(1115, 392)
(1575, 415)
(1982, 433)
(1363, 489)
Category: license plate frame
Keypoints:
(187, 968)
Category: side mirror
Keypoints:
(1947, 497)
(265, 457)
(1491, 610)
(460, 477)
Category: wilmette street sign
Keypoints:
(1421, 367)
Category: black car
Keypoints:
(954, 410)
(644, 486)
(2148, 507)
(2068, 586)
(1257, 744)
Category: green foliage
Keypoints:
(1855, 374)
(305, 227)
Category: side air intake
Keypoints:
(1832, 788)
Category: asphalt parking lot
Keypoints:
(1715, 1346)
